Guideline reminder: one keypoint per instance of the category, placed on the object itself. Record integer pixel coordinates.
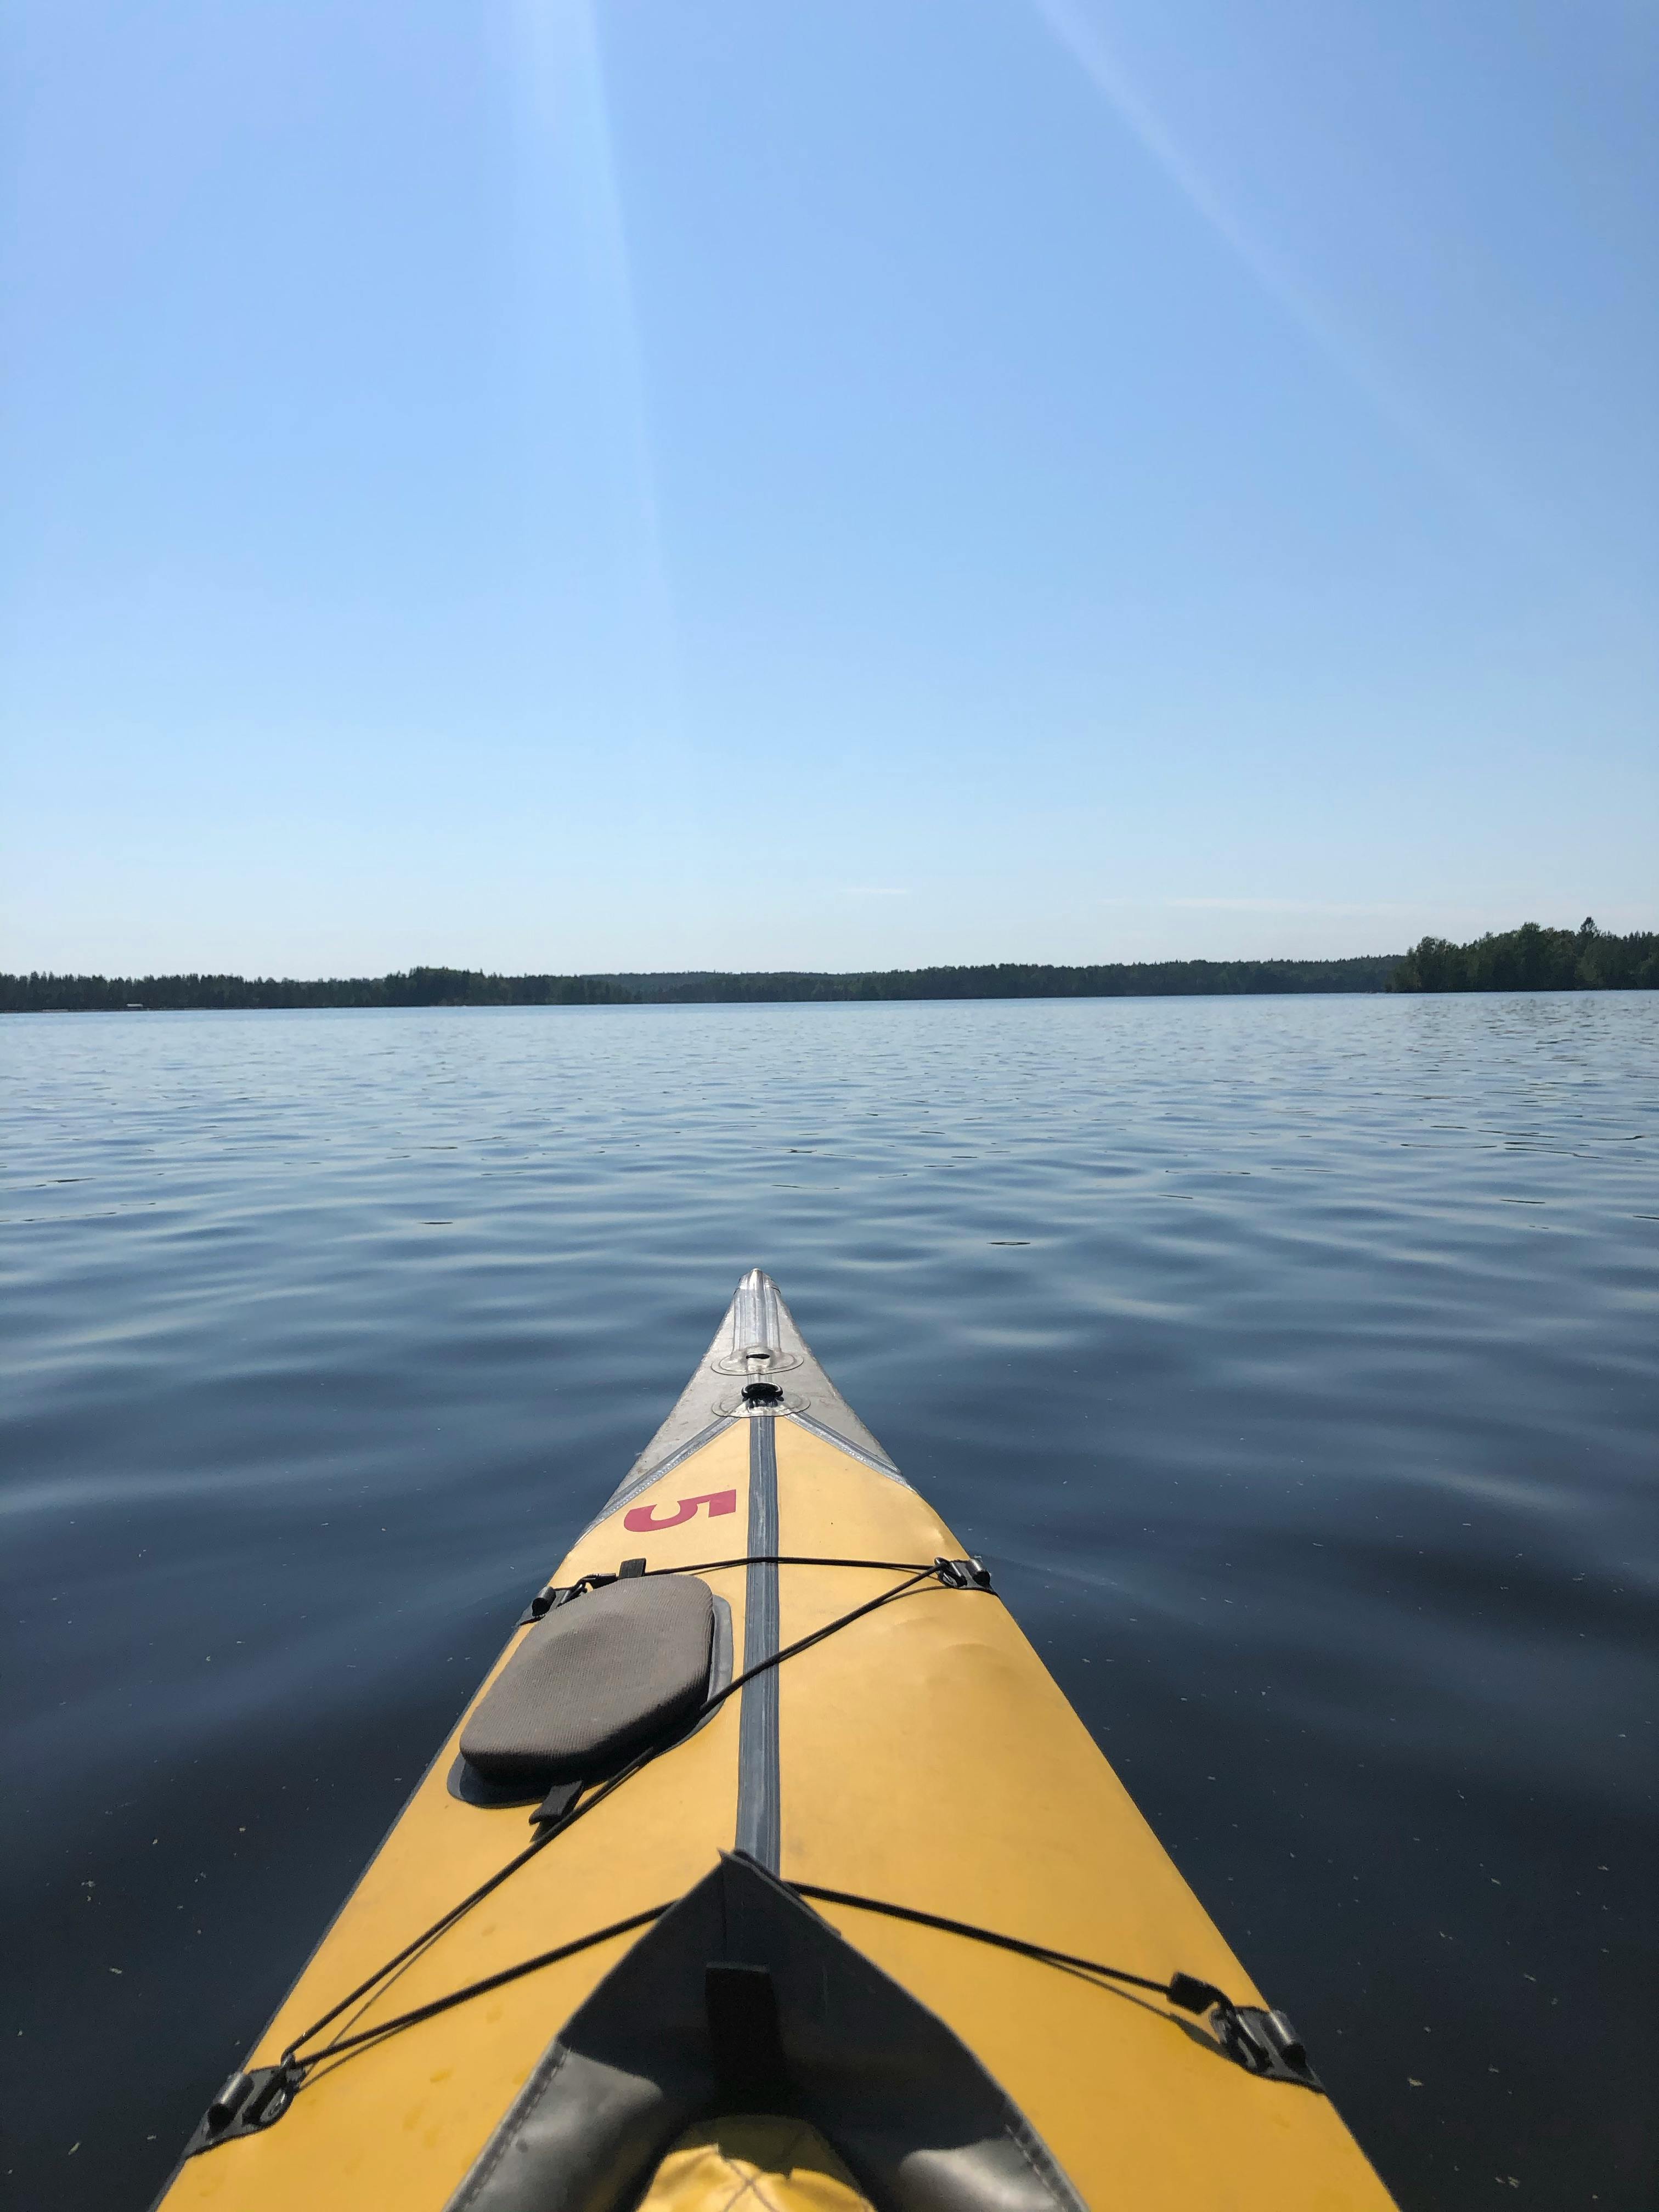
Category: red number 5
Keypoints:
(644, 1517)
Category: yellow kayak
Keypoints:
(768, 1858)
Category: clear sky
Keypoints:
(845, 482)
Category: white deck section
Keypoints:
(757, 1341)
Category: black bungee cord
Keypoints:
(1279, 2051)
(291, 2057)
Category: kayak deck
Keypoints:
(921, 1755)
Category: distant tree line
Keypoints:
(1532, 958)
(1150, 979)
(467, 987)
(1526, 959)
(416, 986)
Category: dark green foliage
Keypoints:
(1525, 959)
(1532, 958)
(420, 987)
(1158, 979)
(466, 986)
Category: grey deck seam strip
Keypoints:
(759, 1811)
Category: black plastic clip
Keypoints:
(1261, 2042)
(1194, 1995)
(247, 2103)
(543, 1603)
(1266, 2043)
(970, 1573)
(557, 1803)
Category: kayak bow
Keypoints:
(770, 1856)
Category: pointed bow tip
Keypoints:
(758, 1340)
(755, 1317)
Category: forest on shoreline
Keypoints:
(1531, 958)
(464, 986)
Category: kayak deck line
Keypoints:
(782, 1970)
(551, 1594)
(1261, 2040)
(548, 1830)
(278, 2085)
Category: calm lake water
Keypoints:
(1295, 1360)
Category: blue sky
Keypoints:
(862, 481)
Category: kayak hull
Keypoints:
(920, 1755)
